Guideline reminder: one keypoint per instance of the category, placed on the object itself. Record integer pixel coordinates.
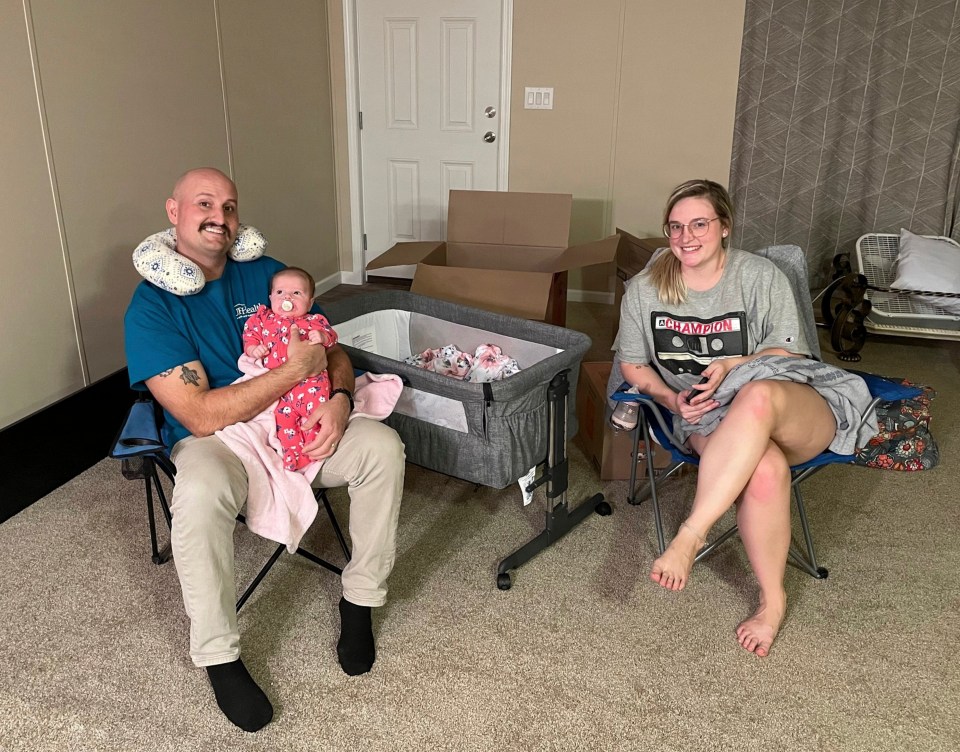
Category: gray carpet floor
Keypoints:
(583, 653)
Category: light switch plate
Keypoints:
(538, 98)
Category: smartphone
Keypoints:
(693, 394)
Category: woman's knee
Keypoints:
(757, 396)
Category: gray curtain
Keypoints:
(847, 122)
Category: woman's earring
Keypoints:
(724, 233)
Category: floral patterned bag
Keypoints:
(904, 441)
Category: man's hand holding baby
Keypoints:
(302, 355)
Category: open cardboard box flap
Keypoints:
(509, 218)
(504, 251)
(483, 256)
(410, 253)
(586, 254)
(523, 294)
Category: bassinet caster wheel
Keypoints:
(603, 509)
(503, 581)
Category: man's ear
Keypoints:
(172, 211)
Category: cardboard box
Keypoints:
(633, 255)
(610, 451)
(505, 252)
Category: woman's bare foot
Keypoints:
(757, 633)
(672, 569)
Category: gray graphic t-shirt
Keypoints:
(751, 308)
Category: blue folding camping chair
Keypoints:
(656, 422)
(144, 456)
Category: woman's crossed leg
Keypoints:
(769, 426)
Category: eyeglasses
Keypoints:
(698, 227)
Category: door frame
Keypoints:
(351, 70)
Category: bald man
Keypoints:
(185, 350)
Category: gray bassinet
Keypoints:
(488, 433)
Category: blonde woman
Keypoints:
(693, 316)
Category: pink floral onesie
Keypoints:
(267, 328)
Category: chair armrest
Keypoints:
(661, 416)
(140, 433)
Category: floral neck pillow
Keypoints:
(157, 260)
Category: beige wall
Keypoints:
(131, 94)
(42, 362)
(645, 93)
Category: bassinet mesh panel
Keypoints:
(492, 433)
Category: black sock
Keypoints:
(355, 649)
(239, 697)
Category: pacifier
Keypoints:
(286, 306)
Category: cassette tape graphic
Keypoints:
(687, 345)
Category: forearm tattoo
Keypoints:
(189, 376)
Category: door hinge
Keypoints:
(364, 241)
(360, 118)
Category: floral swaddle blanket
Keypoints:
(488, 363)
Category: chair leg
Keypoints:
(147, 480)
(151, 479)
(807, 563)
(321, 495)
(260, 575)
(642, 432)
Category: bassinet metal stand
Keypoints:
(559, 520)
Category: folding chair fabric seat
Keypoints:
(144, 456)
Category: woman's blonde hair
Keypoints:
(664, 272)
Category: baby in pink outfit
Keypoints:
(265, 338)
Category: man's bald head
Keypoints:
(198, 173)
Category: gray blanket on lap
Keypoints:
(845, 392)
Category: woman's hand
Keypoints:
(694, 403)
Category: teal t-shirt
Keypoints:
(163, 330)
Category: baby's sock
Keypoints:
(239, 697)
(355, 649)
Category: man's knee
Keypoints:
(211, 484)
(379, 446)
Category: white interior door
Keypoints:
(429, 76)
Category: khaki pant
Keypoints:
(210, 491)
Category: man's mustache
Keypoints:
(205, 225)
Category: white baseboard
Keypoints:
(337, 278)
(328, 283)
(351, 278)
(589, 296)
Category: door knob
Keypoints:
(489, 137)
(490, 112)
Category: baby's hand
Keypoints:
(316, 337)
(257, 351)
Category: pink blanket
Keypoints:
(280, 503)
